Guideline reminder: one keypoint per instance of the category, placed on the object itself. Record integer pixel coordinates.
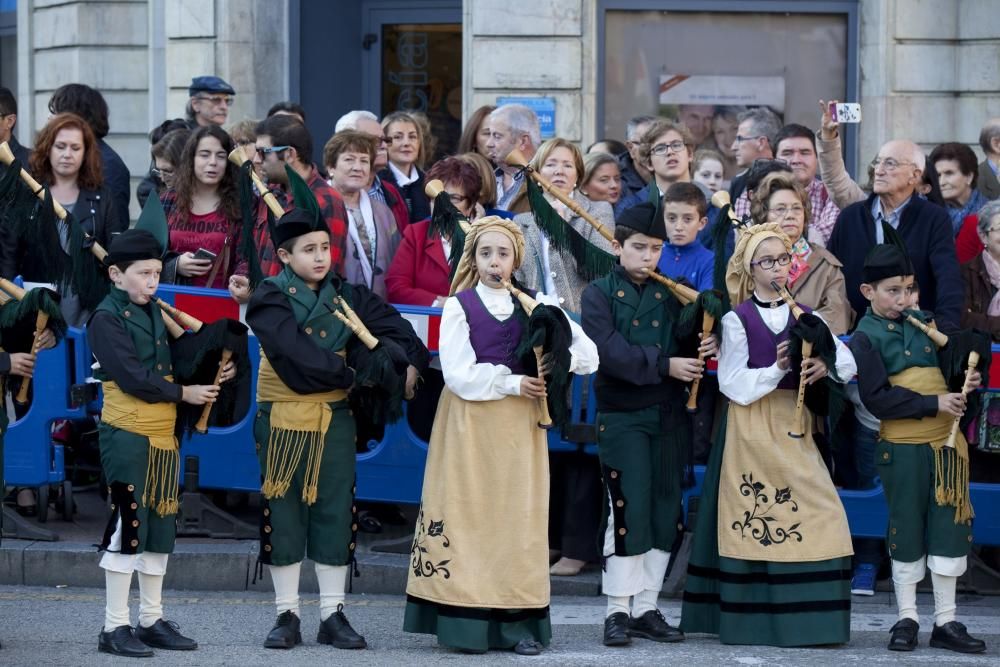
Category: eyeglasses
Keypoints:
(162, 173)
(783, 211)
(890, 163)
(740, 138)
(264, 152)
(660, 150)
(768, 263)
(457, 199)
(217, 100)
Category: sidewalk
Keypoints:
(201, 563)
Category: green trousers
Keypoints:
(324, 531)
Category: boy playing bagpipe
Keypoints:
(305, 431)
(139, 450)
(921, 456)
(644, 431)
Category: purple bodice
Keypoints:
(762, 342)
(493, 341)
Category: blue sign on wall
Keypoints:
(544, 108)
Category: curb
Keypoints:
(217, 566)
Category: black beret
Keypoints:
(644, 218)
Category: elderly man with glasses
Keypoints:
(211, 99)
(923, 226)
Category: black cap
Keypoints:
(644, 218)
(883, 261)
(133, 245)
(209, 84)
(295, 223)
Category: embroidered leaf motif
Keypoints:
(420, 566)
(757, 521)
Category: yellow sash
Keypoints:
(156, 422)
(951, 471)
(297, 421)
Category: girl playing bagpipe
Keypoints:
(479, 562)
(305, 429)
(139, 451)
(771, 558)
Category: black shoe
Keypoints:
(527, 647)
(616, 630)
(652, 625)
(122, 641)
(954, 637)
(336, 630)
(903, 635)
(285, 633)
(164, 634)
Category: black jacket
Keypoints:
(96, 212)
(926, 230)
(417, 203)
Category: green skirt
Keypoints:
(475, 629)
(759, 602)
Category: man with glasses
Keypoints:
(8, 119)
(754, 140)
(282, 140)
(210, 100)
(923, 226)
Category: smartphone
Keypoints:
(845, 112)
(204, 254)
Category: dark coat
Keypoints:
(926, 230)
(417, 202)
(988, 183)
(96, 212)
(978, 294)
(116, 177)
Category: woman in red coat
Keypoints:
(419, 273)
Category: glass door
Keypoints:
(413, 62)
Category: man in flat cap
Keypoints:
(211, 98)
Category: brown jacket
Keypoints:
(823, 289)
(978, 294)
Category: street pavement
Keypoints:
(59, 626)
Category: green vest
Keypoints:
(148, 334)
(900, 344)
(310, 308)
(646, 318)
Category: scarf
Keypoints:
(993, 270)
(800, 253)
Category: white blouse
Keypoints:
(745, 385)
(473, 381)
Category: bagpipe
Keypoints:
(24, 316)
(380, 377)
(959, 354)
(548, 337)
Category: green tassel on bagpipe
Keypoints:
(712, 302)
(825, 398)
(591, 261)
(17, 319)
(379, 387)
(196, 357)
(720, 234)
(446, 221)
(248, 249)
(953, 360)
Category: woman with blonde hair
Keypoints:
(406, 146)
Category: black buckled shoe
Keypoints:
(616, 630)
(903, 635)
(528, 647)
(122, 641)
(337, 630)
(286, 632)
(652, 625)
(954, 637)
(165, 634)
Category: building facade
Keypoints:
(922, 69)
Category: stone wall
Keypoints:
(142, 55)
